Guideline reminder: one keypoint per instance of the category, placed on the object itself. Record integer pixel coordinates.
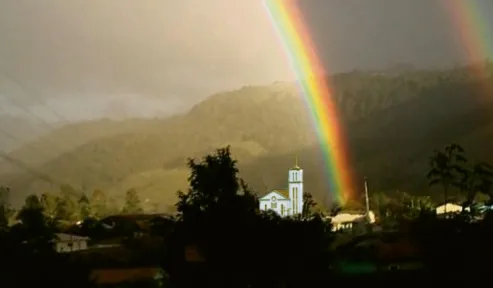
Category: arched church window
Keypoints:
(265, 207)
(294, 200)
(282, 209)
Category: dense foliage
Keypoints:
(28, 258)
(219, 215)
(235, 244)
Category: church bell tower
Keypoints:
(295, 180)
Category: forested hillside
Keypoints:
(15, 129)
(393, 121)
(65, 139)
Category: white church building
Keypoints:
(286, 202)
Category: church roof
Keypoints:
(283, 193)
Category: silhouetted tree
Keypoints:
(49, 203)
(478, 180)
(445, 167)
(99, 205)
(423, 203)
(335, 209)
(308, 205)
(219, 215)
(214, 184)
(4, 218)
(132, 202)
(64, 208)
(35, 230)
(379, 203)
(4, 195)
(84, 207)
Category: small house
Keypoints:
(65, 243)
(449, 208)
(350, 221)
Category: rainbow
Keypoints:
(311, 77)
(472, 27)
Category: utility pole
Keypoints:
(367, 199)
(369, 227)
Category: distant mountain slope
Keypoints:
(44, 147)
(15, 131)
(394, 154)
(393, 123)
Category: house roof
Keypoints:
(283, 193)
(142, 221)
(114, 276)
(136, 217)
(449, 204)
(449, 207)
(110, 241)
(70, 237)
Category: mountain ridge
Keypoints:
(392, 124)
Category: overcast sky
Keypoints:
(181, 51)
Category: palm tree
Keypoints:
(380, 203)
(445, 165)
(308, 205)
(423, 203)
(481, 180)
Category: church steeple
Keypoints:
(296, 167)
(295, 182)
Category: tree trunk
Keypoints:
(445, 192)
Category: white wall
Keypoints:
(296, 184)
(299, 202)
(295, 175)
(266, 204)
(70, 246)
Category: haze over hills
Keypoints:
(69, 54)
(393, 122)
(25, 115)
(17, 130)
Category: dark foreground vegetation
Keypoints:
(218, 238)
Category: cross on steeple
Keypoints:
(296, 163)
